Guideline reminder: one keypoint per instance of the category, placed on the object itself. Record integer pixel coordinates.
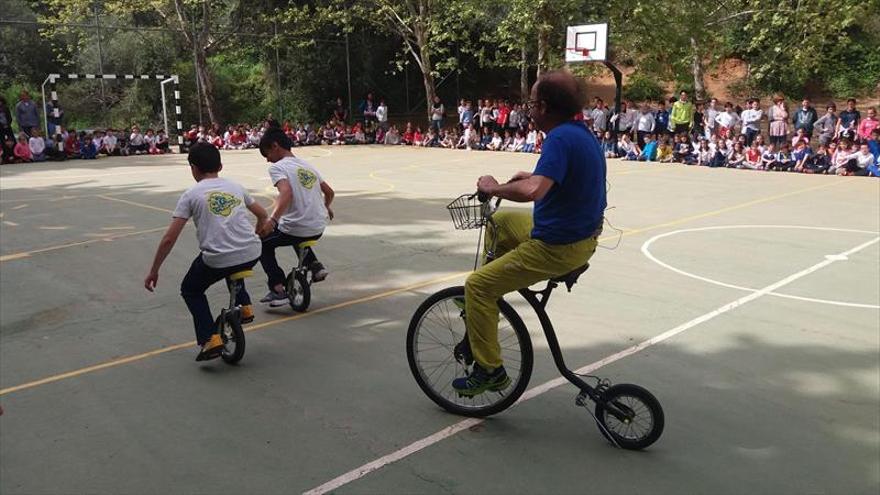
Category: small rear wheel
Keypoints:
(434, 344)
(299, 291)
(233, 338)
(631, 415)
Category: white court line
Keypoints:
(647, 252)
(445, 433)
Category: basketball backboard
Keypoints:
(586, 43)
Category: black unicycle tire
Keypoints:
(298, 280)
(619, 391)
(233, 323)
(525, 347)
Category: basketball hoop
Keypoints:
(586, 43)
(582, 52)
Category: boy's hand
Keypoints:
(151, 281)
(265, 228)
(330, 212)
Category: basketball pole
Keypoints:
(618, 91)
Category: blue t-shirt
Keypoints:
(573, 208)
(649, 152)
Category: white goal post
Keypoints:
(52, 79)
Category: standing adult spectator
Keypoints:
(382, 114)
(437, 113)
(599, 117)
(368, 107)
(849, 121)
(54, 116)
(26, 113)
(340, 113)
(778, 116)
(682, 115)
(805, 118)
(644, 124)
(712, 111)
(826, 126)
(5, 122)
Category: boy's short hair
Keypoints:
(205, 157)
(274, 135)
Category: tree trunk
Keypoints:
(697, 70)
(543, 45)
(207, 83)
(524, 89)
(424, 62)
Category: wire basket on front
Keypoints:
(468, 212)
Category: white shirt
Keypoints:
(306, 216)
(37, 145)
(532, 137)
(751, 119)
(137, 139)
(711, 113)
(218, 208)
(98, 142)
(382, 113)
(110, 141)
(726, 119)
(645, 122)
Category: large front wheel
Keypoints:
(437, 327)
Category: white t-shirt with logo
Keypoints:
(219, 209)
(306, 216)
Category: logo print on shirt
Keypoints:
(221, 203)
(306, 178)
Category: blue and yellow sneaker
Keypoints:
(480, 381)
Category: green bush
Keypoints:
(640, 87)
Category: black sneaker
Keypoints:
(319, 273)
(480, 381)
(275, 299)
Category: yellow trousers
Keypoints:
(520, 262)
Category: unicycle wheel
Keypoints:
(299, 291)
(232, 335)
(630, 416)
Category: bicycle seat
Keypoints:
(571, 278)
(241, 275)
(305, 244)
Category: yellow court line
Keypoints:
(380, 295)
(135, 203)
(252, 328)
(25, 254)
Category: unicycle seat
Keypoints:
(305, 244)
(241, 275)
(571, 278)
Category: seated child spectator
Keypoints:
(648, 152)
(55, 148)
(420, 139)
(857, 162)
(380, 135)
(518, 142)
(704, 153)
(393, 136)
(683, 153)
(449, 140)
(722, 154)
(609, 147)
(819, 162)
(408, 135)
(151, 142)
(359, 136)
(753, 157)
(801, 136)
(109, 144)
(737, 156)
(162, 142)
(72, 144)
(37, 146)
(485, 139)
(87, 150)
(496, 143)
(98, 140)
(136, 142)
(768, 158)
(507, 144)
(22, 152)
(237, 140)
(8, 155)
(531, 139)
(801, 155)
(664, 151)
(626, 148)
(784, 160)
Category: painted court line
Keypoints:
(163, 350)
(445, 433)
(251, 328)
(647, 252)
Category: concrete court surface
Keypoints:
(775, 394)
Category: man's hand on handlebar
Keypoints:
(486, 186)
